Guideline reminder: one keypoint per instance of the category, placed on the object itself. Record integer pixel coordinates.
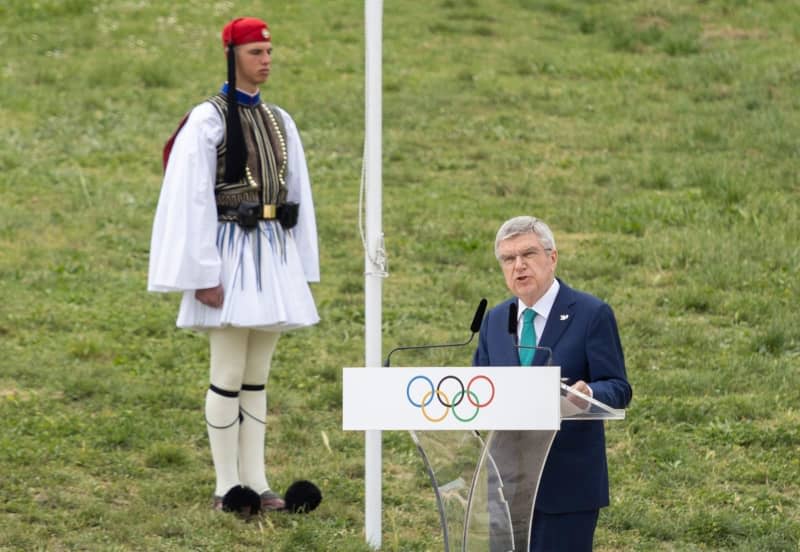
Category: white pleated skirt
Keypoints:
(263, 280)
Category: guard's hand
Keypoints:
(212, 297)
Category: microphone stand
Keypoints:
(475, 327)
(387, 362)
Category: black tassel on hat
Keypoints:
(236, 151)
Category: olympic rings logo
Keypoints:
(460, 408)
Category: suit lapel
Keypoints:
(561, 316)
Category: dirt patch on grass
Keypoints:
(651, 21)
(713, 32)
(13, 393)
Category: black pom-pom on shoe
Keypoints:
(242, 500)
(302, 496)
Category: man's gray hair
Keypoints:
(525, 225)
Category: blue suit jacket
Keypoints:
(582, 333)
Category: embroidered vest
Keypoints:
(265, 138)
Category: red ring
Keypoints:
(469, 396)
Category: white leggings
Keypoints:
(236, 406)
(240, 355)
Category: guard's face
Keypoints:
(528, 267)
(253, 64)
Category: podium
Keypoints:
(483, 434)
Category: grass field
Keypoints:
(659, 139)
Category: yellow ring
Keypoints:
(439, 394)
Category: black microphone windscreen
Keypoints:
(478, 318)
(512, 318)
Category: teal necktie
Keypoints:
(528, 338)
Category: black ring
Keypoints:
(438, 389)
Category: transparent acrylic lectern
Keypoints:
(488, 505)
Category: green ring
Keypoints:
(457, 397)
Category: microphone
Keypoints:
(512, 320)
(512, 329)
(477, 320)
(475, 327)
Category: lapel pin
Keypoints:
(564, 317)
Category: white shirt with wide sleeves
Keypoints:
(264, 272)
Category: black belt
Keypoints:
(249, 209)
(248, 213)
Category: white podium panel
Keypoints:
(431, 399)
(485, 472)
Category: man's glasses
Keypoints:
(527, 256)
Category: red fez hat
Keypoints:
(243, 30)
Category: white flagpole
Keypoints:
(374, 268)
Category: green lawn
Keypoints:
(659, 139)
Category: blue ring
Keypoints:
(408, 391)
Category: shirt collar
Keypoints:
(544, 305)
(243, 98)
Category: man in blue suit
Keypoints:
(581, 332)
